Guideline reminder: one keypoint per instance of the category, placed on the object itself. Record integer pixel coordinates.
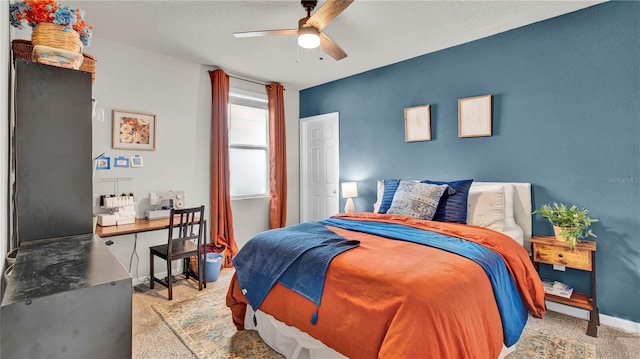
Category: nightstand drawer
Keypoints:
(577, 258)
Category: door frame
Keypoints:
(304, 172)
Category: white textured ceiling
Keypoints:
(373, 33)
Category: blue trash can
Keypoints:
(213, 264)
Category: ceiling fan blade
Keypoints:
(329, 10)
(330, 47)
(265, 33)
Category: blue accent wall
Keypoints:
(566, 118)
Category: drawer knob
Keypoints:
(560, 255)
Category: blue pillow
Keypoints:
(390, 187)
(417, 200)
(453, 204)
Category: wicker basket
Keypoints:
(23, 50)
(89, 65)
(51, 35)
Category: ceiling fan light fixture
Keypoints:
(308, 37)
(309, 31)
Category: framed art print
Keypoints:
(134, 130)
(137, 161)
(474, 116)
(103, 163)
(122, 162)
(417, 124)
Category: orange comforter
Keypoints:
(395, 299)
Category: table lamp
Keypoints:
(349, 190)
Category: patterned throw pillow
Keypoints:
(453, 204)
(418, 200)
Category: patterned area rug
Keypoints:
(204, 325)
(540, 344)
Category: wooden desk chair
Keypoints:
(189, 222)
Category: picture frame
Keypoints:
(103, 163)
(134, 130)
(417, 123)
(474, 116)
(121, 162)
(137, 161)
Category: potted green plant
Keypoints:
(570, 224)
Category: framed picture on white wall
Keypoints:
(134, 130)
(137, 161)
(474, 116)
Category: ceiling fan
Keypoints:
(309, 28)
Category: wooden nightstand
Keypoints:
(546, 249)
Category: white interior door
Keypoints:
(319, 167)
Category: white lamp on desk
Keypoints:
(349, 190)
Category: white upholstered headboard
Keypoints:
(521, 207)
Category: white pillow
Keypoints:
(486, 207)
(378, 196)
(515, 232)
(509, 194)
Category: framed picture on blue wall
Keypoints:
(417, 123)
(474, 116)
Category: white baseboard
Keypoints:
(145, 280)
(619, 323)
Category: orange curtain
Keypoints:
(278, 157)
(221, 217)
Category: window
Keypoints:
(248, 144)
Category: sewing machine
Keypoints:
(162, 203)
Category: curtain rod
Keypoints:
(248, 80)
(238, 77)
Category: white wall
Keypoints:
(4, 124)
(178, 92)
(135, 80)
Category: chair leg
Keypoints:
(201, 269)
(169, 279)
(185, 267)
(151, 280)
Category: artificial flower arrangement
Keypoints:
(37, 11)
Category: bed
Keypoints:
(400, 298)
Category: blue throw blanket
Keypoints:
(512, 311)
(297, 256)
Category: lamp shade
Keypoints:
(349, 189)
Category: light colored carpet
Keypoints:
(190, 331)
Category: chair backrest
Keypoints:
(189, 222)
